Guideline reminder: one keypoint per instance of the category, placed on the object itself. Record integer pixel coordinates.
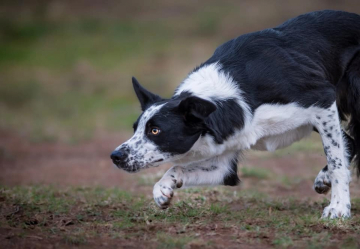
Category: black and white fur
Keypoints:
(264, 91)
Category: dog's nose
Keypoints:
(117, 156)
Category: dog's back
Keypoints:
(331, 38)
(302, 61)
(300, 45)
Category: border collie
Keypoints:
(263, 91)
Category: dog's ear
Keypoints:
(145, 97)
(197, 108)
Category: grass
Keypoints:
(65, 79)
(313, 144)
(165, 241)
(71, 99)
(283, 242)
(258, 173)
(78, 216)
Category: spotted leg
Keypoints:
(327, 123)
(221, 170)
(322, 183)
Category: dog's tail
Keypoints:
(348, 100)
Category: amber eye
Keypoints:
(155, 131)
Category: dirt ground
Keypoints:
(288, 175)
(88, 164)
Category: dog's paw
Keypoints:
(163, 192)
(322, 186)
(338, 210)
(322, 183)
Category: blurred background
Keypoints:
(66, 98)
(66, 101)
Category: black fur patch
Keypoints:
(228, 118)
(232, 179)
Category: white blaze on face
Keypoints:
(142, 152)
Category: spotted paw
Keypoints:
(163, 192)
(322, 186)
(322, 183)
(339, 210)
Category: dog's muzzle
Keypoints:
(121, 160)
(118, 157)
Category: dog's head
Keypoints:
(165, 131)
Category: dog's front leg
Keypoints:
(328, 124)
(220, 170)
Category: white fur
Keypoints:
(274, 142)
(211, 83)
(328, 124)
(195, 174)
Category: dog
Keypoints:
(263, 91)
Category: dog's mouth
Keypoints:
(131, 170)
(139, 166)
(155, 163)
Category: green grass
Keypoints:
(312, 144)
(77, 216)
(283, 242)
(76, 94)
(253, 172)
(72, 240)
(66, 79)
(166, 241)
(104, 43)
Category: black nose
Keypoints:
(117, 156)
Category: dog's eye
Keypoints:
(155, 131)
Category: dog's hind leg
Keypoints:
(322, 183)
(327, 122)
(220, 170)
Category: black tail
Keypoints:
(349, 105)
